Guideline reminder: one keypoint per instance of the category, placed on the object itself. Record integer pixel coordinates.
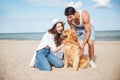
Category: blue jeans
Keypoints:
(45, 60)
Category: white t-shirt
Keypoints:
(47, 40)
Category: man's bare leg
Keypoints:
(91, 53)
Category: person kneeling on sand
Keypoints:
(49, 52)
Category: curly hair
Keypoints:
(57, 38)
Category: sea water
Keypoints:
(99, 35)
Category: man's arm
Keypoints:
(87, 25)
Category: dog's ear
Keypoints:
(73, 36)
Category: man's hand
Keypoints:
(82, 49)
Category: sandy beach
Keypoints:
(15, 56)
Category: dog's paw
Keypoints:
(65, 66)
(75, 69)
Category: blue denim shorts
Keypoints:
(80, 31)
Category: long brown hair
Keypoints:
(57, 38)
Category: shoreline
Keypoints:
(40, 39)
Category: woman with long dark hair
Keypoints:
(48, 52)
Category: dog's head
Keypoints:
(70, 36)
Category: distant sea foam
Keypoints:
(99, 35)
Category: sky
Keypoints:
(19, 16)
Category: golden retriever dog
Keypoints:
(72, 56)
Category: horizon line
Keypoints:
(44, 32)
